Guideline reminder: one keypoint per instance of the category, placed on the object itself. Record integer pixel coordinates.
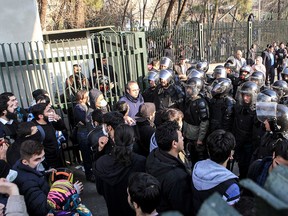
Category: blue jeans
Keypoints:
(85, 151)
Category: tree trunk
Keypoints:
(279, 10)
(153, 15)
(79, 15)
(181, 12)
(124, 14)
(42, 7)
(215, 14)
(168, 13)
(144, 8)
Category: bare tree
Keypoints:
(153, 15)
(124, 13)
(180, 14)
(79, 14)
(168, 13)
(42, 8)
(144, 8)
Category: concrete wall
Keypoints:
(19, 22)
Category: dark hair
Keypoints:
(29, 148)
(43, 97)
(122, 107)
(3, 104)
(97, 116)
(80, 95)
(172, 114)
(24, 129)
(220, 144)
(7, 94)
(281, 149)
(144, 189)
(38, 92)
(38, 109)
(165, 134)
(124, 139)
(113, 119)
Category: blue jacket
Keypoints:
(33, 185)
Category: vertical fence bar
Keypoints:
(201, 41)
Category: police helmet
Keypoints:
(245, 72)
(221, 87)
(258, 77)
(166, 62)
(153, 75)
(195, 73)
(281, 87)
(193, 86)
(248, 88)
(268, 95)
(275, 114)
(166, 74)
(219, 72)
(284, 74)
(203, 66)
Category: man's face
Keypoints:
(13, 100)
(163, 67)
(77, 69)
(152, 83)
(239, 55)
(133, 90)
(35, 160)
(182, 61)
(104, 61)
(164, 83)
(48, 111)
(11, 114)
(271, 49)
(247, 98)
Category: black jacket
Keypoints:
(143, 131)
(175, 180)
(33, 185)
(112, 181)
(51, 147)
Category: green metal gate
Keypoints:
(27, 66)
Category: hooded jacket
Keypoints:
(174, 179)
(33, 185)
(209, 177)
(112, 181)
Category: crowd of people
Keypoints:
(166, 149)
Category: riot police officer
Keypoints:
(281, 87)
(245, 126)
(153, 79)
(167, 93)
(221, 106)
(259, 78)
(196, 118)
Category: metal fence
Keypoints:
(27, 66)
(215, 43)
